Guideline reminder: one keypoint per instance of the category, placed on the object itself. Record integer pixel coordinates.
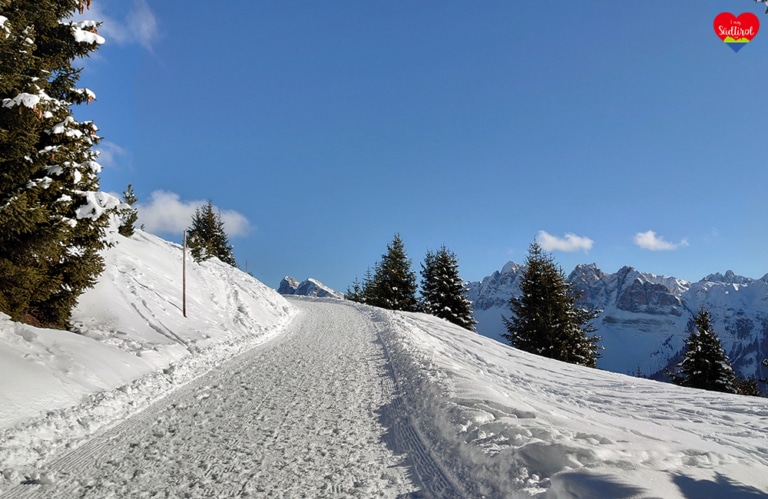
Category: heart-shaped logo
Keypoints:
(736, 31)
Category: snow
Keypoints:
(134, 347)
(25, 99)
(96, 204)
(256, 395)
(65, 128)
(3, 27)
(513, 422)
(645, 317)
(85, 32)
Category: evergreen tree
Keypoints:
(206, 237)
(747, 386)
(52, 215)
(704, 363)
(545, 319)
(393, 285)
(128, 215)
(362, 292)
(368, 292)
(355, 292)
(443, 293)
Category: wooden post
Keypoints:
(184, 277)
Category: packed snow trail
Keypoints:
(312, 413)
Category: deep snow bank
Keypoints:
(134, 345)
(506, 423)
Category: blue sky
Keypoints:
(619, 133)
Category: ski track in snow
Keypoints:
(313, 413)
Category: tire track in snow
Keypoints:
(406, 438)
(295, 417)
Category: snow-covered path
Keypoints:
(305, 415)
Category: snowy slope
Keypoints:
(135, 345)
(510, 424)
(645, 317)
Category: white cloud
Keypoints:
(166, 213)
(143, 23)
(136, 26)
(109, 152)
(571, 242)
(650, 241)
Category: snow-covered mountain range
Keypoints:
(645, 317)
(308, 287)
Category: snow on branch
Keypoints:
(96, 205)
(86, 32)
(23, 99)
(89, 94)
(31, 101)
(94, 166)
(64, 127)
(3, 27)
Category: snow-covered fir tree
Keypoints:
(705, 364)
(443, 293)
(52, 214)
(393, 284)
(207, 238)
(545, 319)
(128, 215)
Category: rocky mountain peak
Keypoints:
(729, 278)
(309, 287)
(288, 285)
(645, 317)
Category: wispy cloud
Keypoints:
(650, 241)
(571, 242)
(137, 25)
(110, 154)
(166, 213)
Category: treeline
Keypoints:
(391, 284)
(545, 319)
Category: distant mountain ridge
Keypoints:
(646, 317)
(309, 287)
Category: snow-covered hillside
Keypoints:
(255, 395)
(511, 424)
(134, 344)
(645, 317)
